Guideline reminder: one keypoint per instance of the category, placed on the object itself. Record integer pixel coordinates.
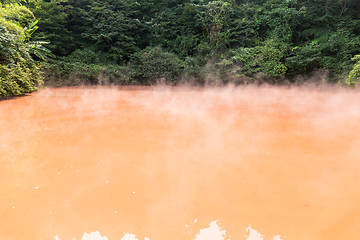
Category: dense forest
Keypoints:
(80, 42)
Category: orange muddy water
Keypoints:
(163, 163)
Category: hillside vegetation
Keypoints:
(144, 41)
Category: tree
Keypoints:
(19, 73)
(215, 18)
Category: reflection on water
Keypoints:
(97, 236)
(213, 232)
(163, 163)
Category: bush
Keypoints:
(19, 73)
(354, 75)
(192, 67)
(19, 79)
(153, 63)
(266, 59)
(84, 68)
(87, 56)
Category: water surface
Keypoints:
(163, 163)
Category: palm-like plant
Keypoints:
(36, 47)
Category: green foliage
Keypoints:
(354, 75)
(19, 80)
(153, 63)
(36, 48)
(13, 35)
(53, 19)
(329, 51)
(112, 27)
(267, 58)
(85, 67)
(19, 73)
(215, 18)
(86, 56)
(225, 38)
(192, 67)
(17, 13)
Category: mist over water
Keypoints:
(166, 163)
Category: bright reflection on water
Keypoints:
(95, 236)
(165, 163)
(213, 232)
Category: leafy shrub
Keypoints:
(86, 56)
(19, 79)
(19, 73)
(12, 47)
(153, 63)
(192, 67)
(354, 75)
(267, 59)
(17, 12)
(62, 72)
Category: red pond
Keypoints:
(163, 163)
